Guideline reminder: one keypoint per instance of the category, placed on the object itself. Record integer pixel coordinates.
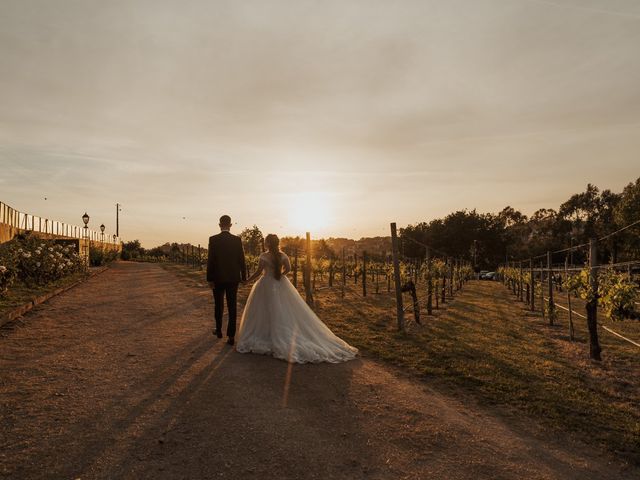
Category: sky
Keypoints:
(335, 117)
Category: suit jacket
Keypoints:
(225, 261)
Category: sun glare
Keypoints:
(310, 212)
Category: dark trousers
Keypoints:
(220, 291)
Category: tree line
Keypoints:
(484, 239)
(492, 238)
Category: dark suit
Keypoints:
(225, 268)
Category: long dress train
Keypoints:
(277, 321)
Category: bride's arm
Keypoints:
(257, 273)
(286, 264)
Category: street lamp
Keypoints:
(85, 219)
(118, 210)
(102, 227)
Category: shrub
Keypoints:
(99, 256)
(6, 279)
(34, 261)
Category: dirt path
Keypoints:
(121, 378)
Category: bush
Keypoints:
(34, 261)
(6, 279)
(100, 256)
(132, 250)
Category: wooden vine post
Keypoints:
(429, 283)
(295, 267)
(436, 293)
(566, 276)
(451, 278)
(307, 273)
(396, 277)
(521, 286)
(443, 292)
(344, 273)
(532, 282)
(364, 273)
(592, 303)
(355, 268)
(542, 291)
(552, 306)
(331, 271)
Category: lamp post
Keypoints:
(102, 232)
(118, 210)
(85, 236)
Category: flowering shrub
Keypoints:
(34, 261)
(6, 278)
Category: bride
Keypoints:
(277, 321)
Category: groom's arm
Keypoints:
(210, 261)
(243, 265)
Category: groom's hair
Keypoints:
(225, 221)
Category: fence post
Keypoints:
(396, 277)
(307, 273)
(592, 304)
(532, 296)
(552, 310)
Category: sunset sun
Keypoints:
(310, 212)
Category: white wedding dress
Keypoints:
(277, 321)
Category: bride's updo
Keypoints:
(272, 242)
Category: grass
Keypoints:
(486, 345)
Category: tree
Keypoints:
(131, 250)
(252, 240)
(322, 249)
(625, 213)
(289, 245)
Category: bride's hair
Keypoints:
(273, 246)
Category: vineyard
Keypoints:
(428, 314)
(478, 337)
(607, 290)
(421, 284)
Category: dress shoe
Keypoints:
(231, 341)
(217, 333)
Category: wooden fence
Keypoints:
(14, 222)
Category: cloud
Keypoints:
(421, 106)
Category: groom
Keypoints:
(225, 269)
